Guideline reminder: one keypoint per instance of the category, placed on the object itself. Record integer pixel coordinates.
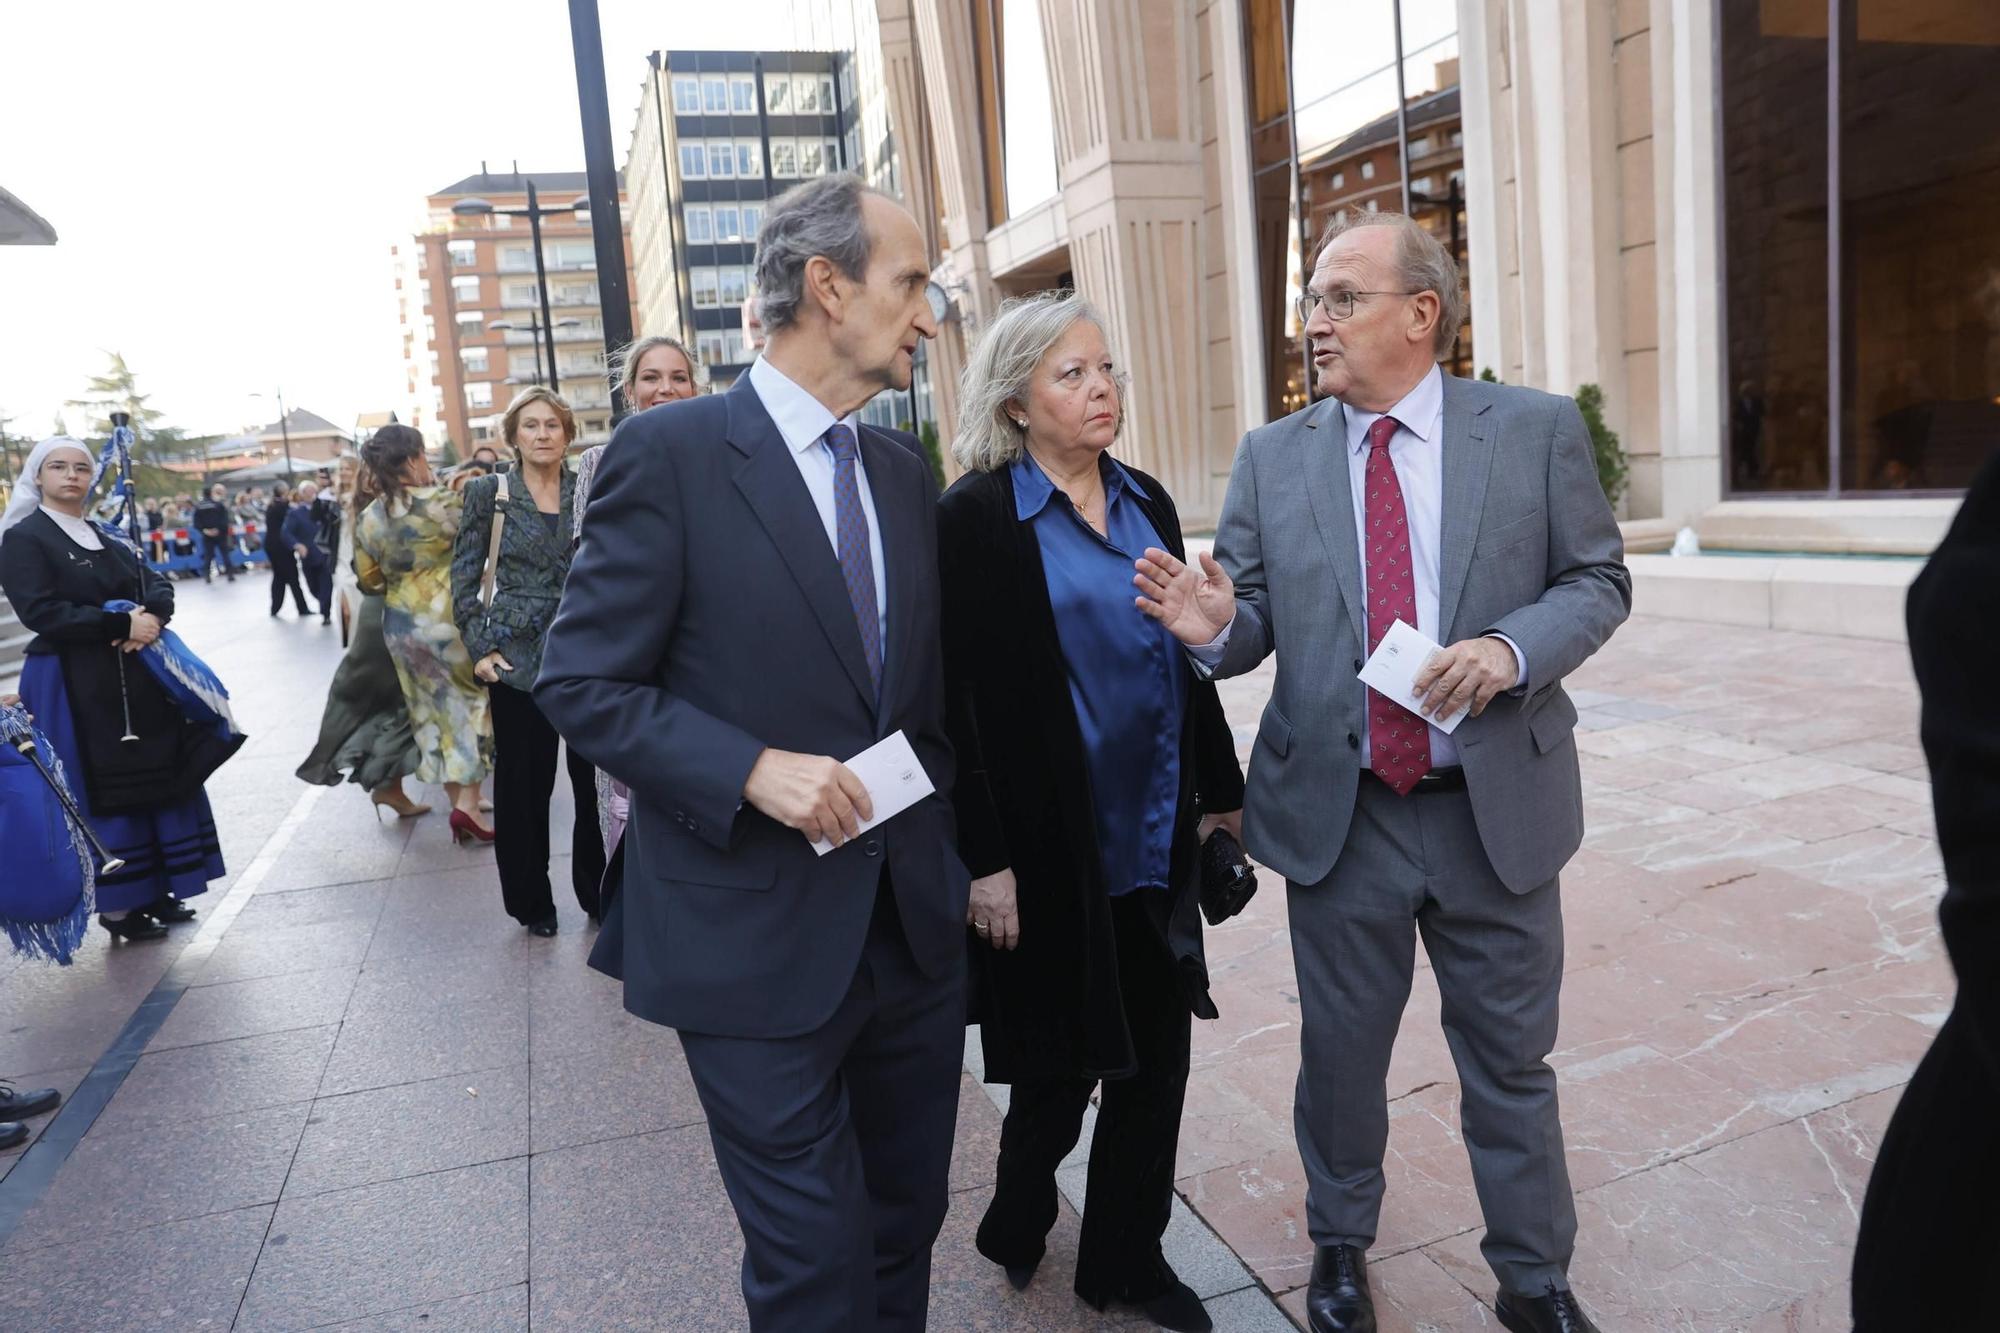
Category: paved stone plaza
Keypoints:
(373, 1102)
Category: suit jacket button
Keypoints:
(1353, 741)
(871, 848)
(692, 827)
(1357, 666)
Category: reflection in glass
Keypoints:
(1920, 242)
(1774, 151)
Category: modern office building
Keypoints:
(1766, 236)
(718, 134)
(475, 271)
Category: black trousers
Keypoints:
(319, 578)
(835, 1145)
(218, 549)
(524, 782)
(1929, 1228)
(285, 574)
(1130, 1191)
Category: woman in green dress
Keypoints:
(402, 549)
(364, 734)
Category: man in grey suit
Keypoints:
(1473, 512)
(755, 601)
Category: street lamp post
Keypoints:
(284, 430)
(534, 213)
(535, 332)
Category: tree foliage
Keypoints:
(116, 390)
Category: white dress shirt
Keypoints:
(1416, 451)
(803, 420)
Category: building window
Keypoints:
(479, 393)
(1368, 169)
(1420, 145)
(778, 94)
(832, 147)
(805, 95)
(735, 287)
(784, 159)
(574, 297)
(687, 95)
(474, 360)
(698, 228)
(1862, 343)
(854, 149)
(753, 220)
(518, 295)
(749, 160)
(517, 259)
(573, 255)
(702, 281)
(727, 228)
(465, 291)
(743, 94)
(721, 159)
(464, 254)
(715, 95)
(1423, 185)
(1339, 180)
(523, 365)
(826, 103)
(471, 324)
(694, 161)
(711, 348)
(812, 158)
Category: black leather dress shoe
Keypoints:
(133, 926)
(544, 928)
(18, 1105)
(12, 1134)
(1337, 1301)
(1554, 1311)
(169, 911)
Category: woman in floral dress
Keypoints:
(402, 548)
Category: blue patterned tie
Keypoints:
(857, 564)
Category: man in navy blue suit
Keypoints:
(755, 601)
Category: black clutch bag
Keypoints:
(1227, 881)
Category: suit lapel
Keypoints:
(770, 481)
(900, 549)
(527, 520)
(1468, 462)
(1332, 498)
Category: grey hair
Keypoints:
(819, 219)
(1000, 367)
(626, 365)
(1422, 265)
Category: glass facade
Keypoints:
(1861, 183)
(1327, 138)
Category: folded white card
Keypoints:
(1392, 670)
(895, 780)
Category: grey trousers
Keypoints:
(1415, 864)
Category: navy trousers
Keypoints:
(835, 1146)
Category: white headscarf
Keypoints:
(27, 495)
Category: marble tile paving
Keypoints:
(382, 1106)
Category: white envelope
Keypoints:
(1392, 669)
(894, 777)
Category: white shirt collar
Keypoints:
(79, 530)
(1418, 412)
(801, 418)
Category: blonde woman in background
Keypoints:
(651, 371)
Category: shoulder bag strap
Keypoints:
(493, 542)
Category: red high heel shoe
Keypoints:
(464, 829)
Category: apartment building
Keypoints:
(481, 306)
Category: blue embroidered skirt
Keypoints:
(170, 850)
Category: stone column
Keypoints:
(1123, 78)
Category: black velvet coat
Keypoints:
(1051, 1008)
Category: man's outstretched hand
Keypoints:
(1194, 604)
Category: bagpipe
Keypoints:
(53, 856)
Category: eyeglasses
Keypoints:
(1339, 306)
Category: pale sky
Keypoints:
(226, 177)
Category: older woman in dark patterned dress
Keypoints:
(504, 604)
